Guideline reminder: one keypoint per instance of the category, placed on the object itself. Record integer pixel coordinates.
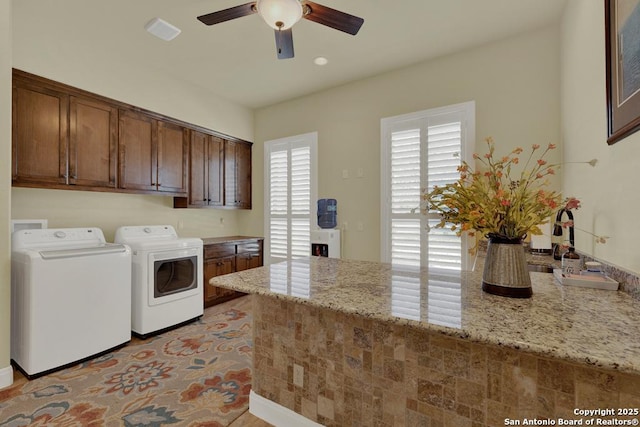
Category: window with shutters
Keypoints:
(290, 196)
(421, 150)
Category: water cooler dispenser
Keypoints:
(326, 241)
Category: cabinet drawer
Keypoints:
(218, 251)
(248, 247)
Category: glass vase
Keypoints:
(505, 269)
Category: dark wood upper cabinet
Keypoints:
(230, 174)
(153, 154)
(205, 173)
(215, 174)
(243, 175)
(172, 153)
(198, 169)
(237, 174)
(40, 134)
(67, 138)
(138, 151)
(93, 138)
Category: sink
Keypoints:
(540, 268)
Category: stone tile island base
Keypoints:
(363, 372)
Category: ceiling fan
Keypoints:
(281, 15)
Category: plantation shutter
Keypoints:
(443, 158)
(420, 151)
(289, 195)
(279, 180)
(443, 248)
(405, 196)
(300, 202)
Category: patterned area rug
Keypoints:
(197, 375)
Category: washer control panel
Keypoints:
(57, 237)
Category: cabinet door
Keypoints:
(172, 158)
(92, 143)
(137, 151)
(217, 267)
(230, 178)
(198, 169)
(40, 141)
(249, 255)
(215, 171)
(237, 174)
(248, 260)
(243, 175)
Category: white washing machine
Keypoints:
(70, 297)
(167, 282)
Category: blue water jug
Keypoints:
(327, 213)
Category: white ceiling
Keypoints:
(237, 59)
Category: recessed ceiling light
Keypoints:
(321, 60)
(162, 29)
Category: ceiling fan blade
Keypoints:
(333, 18)
(228, 14)
(284, 43)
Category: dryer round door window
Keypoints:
(174, 275)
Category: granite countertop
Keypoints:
(588, 326)
(227, 239)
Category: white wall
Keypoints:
(515, 84)
(109, 211)
(5, 189)
(609, 192)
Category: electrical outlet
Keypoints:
(298, 375)
(180, 224)
(360, 226)
(345, 173)
(360, 173)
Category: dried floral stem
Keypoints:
(599, 239)
(491, 202)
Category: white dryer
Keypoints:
(70, 297)
(167, 277)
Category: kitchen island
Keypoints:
(361, 343)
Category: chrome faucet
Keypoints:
(557, 231)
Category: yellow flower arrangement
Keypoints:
(491, 202)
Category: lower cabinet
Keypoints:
(224, 255)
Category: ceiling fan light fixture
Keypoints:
(279, 14)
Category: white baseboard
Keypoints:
(6, 377)
(276, 414)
